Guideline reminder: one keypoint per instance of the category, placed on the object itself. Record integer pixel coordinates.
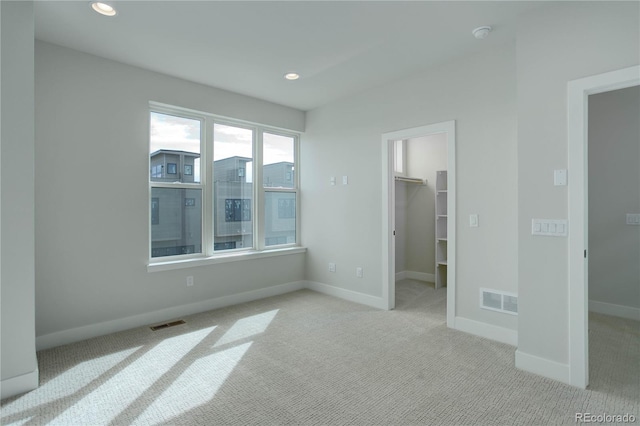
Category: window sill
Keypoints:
(222, 258)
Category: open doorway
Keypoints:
(614, 238)
(405, 171)
(420, 173)
(579, 92)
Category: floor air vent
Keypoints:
(166, 325)
(499, 301)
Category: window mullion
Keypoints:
(259, 191)
(296, 184)
(207, 178)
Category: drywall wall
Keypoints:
(556, 44)
(425, 156)
(342, 223)
(91, 193)
(614, 191)
(19, 366)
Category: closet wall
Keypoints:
(415, 207)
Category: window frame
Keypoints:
(259, 249)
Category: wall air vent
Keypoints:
(499, 301)
(166, 325)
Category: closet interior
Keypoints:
(420, 168)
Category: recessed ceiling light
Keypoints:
(103, 8)
(292, 76)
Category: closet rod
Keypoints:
(412, 180)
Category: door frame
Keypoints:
(578, 92)
(388, 211)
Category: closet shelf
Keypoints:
(411, 180)
(442, 223)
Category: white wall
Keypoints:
(342, 223)
(91, 189)
(556, 44)
(19, 365)
(425, 156)
(614, 191)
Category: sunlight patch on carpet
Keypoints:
(103, 404)
(247, 327)
(196, 386)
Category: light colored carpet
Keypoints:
(310, 359)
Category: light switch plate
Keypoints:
(633, 219)
(560, 177)
(549, 227)
(473, 221)
(345, 180)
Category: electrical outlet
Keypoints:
(359, 272)
(190, 281)
(332, 267)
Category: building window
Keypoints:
(236, 210)
(156, 171)
(286, 208)
(251, 175)
(229, 245)
(155, 211)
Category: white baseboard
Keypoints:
(93, 330)
(352, 296)
(621, 311)
(413, 275)
(493, 332)
(19, 384)
(543, 367)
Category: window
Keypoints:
(233, 148)
(280, 189)
(399, 157)
(176, 205)
(218, 186)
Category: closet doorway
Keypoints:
(418, 212)
(579, 92)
